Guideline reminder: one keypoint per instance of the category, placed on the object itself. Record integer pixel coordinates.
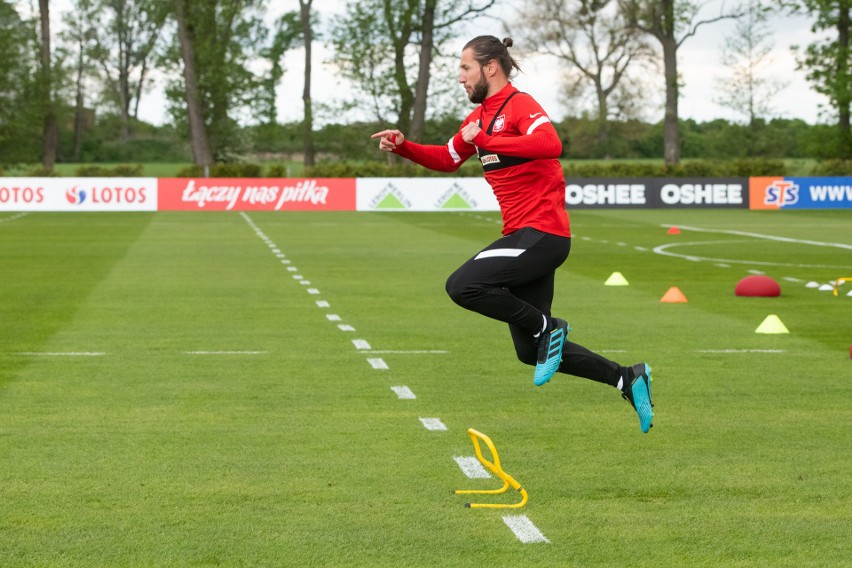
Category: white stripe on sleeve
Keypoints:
(537, 123)
(453, 154)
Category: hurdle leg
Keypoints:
(495, 468)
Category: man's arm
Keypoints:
(446, 158)
(537, 137)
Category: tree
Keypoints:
(198, 137)
(379, 53)
(21, 116)
(308, 121)
(128, 34)
(288, 30)
(291, 27)
(671, 22)
(748, 89)
(218, 42)
(594, 39)
(827, 60)
(50, 131)
(79, 34)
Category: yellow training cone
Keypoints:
(616, 279)
(673, 296)
(772, 324)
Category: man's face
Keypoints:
(472, 78)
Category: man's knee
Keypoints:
(462, 291)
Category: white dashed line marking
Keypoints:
(471, 467)
(524, 529)
(434, 424)
(404, 393)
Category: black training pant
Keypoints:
(511, 280)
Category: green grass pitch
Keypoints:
(213, 414)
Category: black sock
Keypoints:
(545, 325)
(625, 378)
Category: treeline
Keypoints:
(715, 148)
(71, 93)
(715, 140)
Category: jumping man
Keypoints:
(512, 279)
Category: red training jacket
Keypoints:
(520, 158)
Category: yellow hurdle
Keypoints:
(839, 282)
(495, 468)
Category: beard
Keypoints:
(480, 90)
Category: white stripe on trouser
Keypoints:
(513, 253)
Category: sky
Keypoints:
(699, 61)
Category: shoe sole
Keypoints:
(641, 389)
(545, 371)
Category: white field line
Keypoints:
(378, 364)
(663, 250)
(524, 529)
(323, 304)
(404, 393)
(741, 351)
(332, 317)
(471, 467)
(13, 217)
(62, 354)
(433, 424)
(762, 236)
(345, 327)
(409, 352)
(313, 291)
(360, 344)
(225, 352)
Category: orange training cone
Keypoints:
(673, 296)
(674, 231)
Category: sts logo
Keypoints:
(75, 196)
(780, 193)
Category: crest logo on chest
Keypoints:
(499, 123)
